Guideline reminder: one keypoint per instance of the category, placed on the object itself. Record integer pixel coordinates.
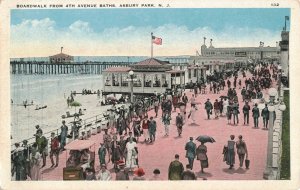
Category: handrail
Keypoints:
(48, 133)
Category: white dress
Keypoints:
(225, 105)
(131, 155)
(35, 169)
(193, 113)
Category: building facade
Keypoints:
(226, 58)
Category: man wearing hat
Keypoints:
(152, 129)
(246, 110)
(235, 112)
(190, 148)
(217, 109)
(175, 169)
(102, 153)
(122, 174)
(255, 115)
(54, 149)
(265, 115)
(63, 134)
(208, 107)
(38, 130)
(179, 124)
(42, 144)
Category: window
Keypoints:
(190, 73)
(195, 73)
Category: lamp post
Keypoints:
(268, 174)
(279, 79)
(131, 73)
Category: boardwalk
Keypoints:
(161, 153)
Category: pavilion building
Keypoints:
(151, 76)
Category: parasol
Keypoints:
(205, 138)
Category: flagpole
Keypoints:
(285, 22)
(151, 45)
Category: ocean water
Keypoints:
(43, 89)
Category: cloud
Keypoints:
(43, 37)
(80, 27)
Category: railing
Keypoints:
(88, 125)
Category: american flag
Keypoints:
(156, 40)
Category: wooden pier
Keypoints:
(46, 68)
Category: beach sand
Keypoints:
(24, 120)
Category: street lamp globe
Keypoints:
(282, 107)
(271, 108)
(131, 73)
(272, 92)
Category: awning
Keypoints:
(79, 144)
(175, 71)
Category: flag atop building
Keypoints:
(156, 40)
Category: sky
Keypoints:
(126, 32)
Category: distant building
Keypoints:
(61, 58)
(226, 58)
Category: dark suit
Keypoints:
(265, 116)
(246, 110)
(190, 148)
(208, 107)
(255, 115)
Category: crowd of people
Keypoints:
(126, 127)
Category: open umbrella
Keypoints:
(75, 104)
(224, 97)
(205, 139)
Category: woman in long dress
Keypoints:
(193, 113)
(225, 104)
(202, 156)
(131, 158)
(231, 152)
(36, 159)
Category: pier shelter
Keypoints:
(150, 76)
(61, 58)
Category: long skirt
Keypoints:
(230, 157)
(204, 163)
(35, 172)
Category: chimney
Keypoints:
(204, 40)
(211, 43)
(61, 48)
(277, 44)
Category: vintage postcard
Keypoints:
(102, 94)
